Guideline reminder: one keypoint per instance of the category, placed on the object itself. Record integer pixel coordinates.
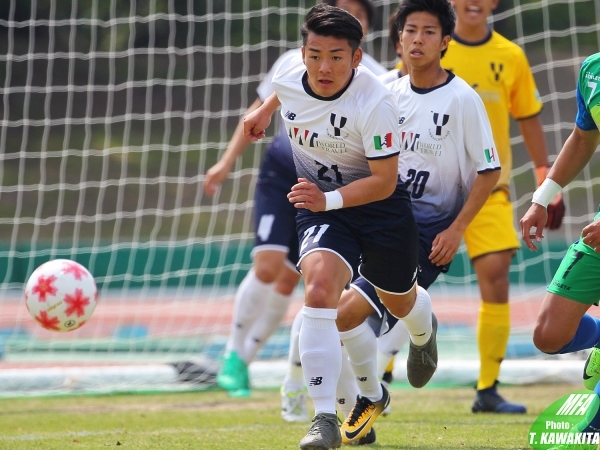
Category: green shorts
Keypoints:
(578, 274)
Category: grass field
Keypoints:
(430, 418)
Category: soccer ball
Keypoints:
(61, 295)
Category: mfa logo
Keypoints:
(560, 423)
(337, 123)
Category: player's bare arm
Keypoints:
(574, 156)
(533, 135)
(378, 186)
(238, 144)
(445, 245)
(258, 120)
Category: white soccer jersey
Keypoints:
(265, 88)
(332, 138)
(445, 139)
(389, 76)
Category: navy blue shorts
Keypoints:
(274, 215)
(378, 240)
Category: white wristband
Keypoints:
(333, 200)
(546, 192)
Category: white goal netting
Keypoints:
(112, 111)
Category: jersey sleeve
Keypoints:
(380, 129)
(588, 94)
(583, 119)
(479, 140)
(524, 99)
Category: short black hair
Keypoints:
(326, 20)
(442, 9)
(367, 4)
(393, 30)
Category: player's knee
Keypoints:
(287, 281)
(320, 295)
(547, 341)
(267, 273)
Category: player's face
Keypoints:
(329, 62)
(422, 41)
(474, 13)
(356, 8)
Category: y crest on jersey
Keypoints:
(438, 133)
(337, 123)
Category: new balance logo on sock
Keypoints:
(315, 381)
(362, 379)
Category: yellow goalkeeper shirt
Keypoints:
(500, 73)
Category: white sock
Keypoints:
(266, 323)
(294, 377)
(418, 320)
(321, 356)
(250, 300)
(389, 344)
(347, 389)
(361, 345)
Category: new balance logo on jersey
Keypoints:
(316, 381)
(303, 137)
(383, 142)
(290, 115)
(490, 154)
(337, 124)
(409, 140)
(361, 379)
(401, 120)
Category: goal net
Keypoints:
(112, 112)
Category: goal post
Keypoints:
(111, 113)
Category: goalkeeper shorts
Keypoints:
(492, 229)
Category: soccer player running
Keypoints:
(263, 297)
(449, 165)
(563, 325)
(499, 72)
(352, 209)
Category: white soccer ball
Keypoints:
(61, 295)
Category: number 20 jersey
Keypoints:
(333, 138)
(445, 140)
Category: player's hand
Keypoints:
(536, 217)
(591, 235)
(255, 124)
(215, 176)
(307, 195)
(444, 247)
(556, 212)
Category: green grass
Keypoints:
(430, 418)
